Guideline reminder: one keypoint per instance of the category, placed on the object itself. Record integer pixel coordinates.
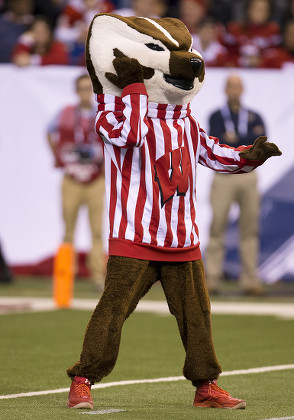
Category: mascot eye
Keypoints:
(154, 47)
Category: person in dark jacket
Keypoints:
(235, 125)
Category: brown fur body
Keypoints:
(127, 281)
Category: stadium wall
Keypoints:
(31, 225)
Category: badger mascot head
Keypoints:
(161, 52)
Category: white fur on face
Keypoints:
(109, 33)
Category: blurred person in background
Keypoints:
(38, 47)
(226, 11)
(78, 150)
(73, 24)
(290, 12)
(234, 125)
(206, 42)
(76, 49)
(49, 8)
(282, 11)
(5, 273)
(192, 12)
(246, 40)
(14, 21)
(143, 8)
(283, 56)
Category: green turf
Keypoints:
(42, 287)
(268, 396)
(36, 348)
(84, 289)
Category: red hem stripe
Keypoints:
(127, 248)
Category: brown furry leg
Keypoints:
(187, 297)
(127, 280)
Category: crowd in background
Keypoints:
(228, 33)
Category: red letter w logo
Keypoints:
(172, 172)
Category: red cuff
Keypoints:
(138, 88)
(248, 162)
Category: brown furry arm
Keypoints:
(261, 150)
(128, 71)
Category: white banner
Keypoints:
(31, 226)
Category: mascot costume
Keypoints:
(145, 74)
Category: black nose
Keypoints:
(196, 65)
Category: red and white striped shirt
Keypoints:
(151, 155)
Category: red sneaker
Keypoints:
(79, 394)
(210, 395)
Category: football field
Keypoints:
(37, 347)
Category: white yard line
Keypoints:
(107, 411)
(150, 381)
(27, 304)
(281, 418)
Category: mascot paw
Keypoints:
(128, 70)
(261, 150)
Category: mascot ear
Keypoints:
(97, 86)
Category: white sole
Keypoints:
(82, 405)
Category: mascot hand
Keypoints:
(128, 70)
(261, 150)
